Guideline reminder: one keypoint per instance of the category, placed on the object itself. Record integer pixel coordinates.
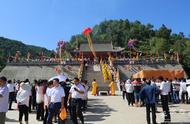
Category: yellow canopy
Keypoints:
(170, 74)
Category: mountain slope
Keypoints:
(156, 42)
(9, 47)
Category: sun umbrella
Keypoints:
(60, 77)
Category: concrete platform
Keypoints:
(114, 110)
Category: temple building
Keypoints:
(102, 50)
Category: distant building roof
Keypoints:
(100, 47)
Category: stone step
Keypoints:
(90, 75)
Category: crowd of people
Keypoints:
(151, 92)
(46, 98)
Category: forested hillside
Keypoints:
(9, 47)
(153, 40)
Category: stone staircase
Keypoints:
(37, 72)
(90, 75)
(123, 73)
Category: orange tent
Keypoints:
(170, 74)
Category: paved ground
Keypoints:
(114, 110)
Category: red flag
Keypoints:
(61, 44)
(87, 31)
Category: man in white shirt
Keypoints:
(165, 88)
(76, 95)
(48, 90)
(4, 97)
(55, 101)
(183, 91)
(188, 91)
(129, 92)
(176, 90)
(11, 87)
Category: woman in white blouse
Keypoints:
(23, 102)
(40, 100)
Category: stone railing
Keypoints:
(143, 62)
(42, 63)
(115, 62)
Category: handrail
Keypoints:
(115, 62)
(45, 63)
(142, 62)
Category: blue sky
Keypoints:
(44, 22)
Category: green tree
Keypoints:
(159, 45)
(163, 32)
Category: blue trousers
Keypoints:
(54, 108)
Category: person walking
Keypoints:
(48, 90)
(29, 88)
(86, 65)
(66, 86)
(176, 90)
(55, 101)
(76, 95)
(137, 88)
(4, 99)
(123, 89)
(34, 94)
(85, 96)
(183, 91)
(129, 92)
(171, 98)
(23, 102)
(112, 87)
(11, 87)
(165, 89)
(148, 94)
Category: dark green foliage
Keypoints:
(119, 32)
(9, 47)
(152, 40)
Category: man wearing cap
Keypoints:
(4, 98)
(76, 95)
(55, 100)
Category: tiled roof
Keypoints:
(99, 47)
